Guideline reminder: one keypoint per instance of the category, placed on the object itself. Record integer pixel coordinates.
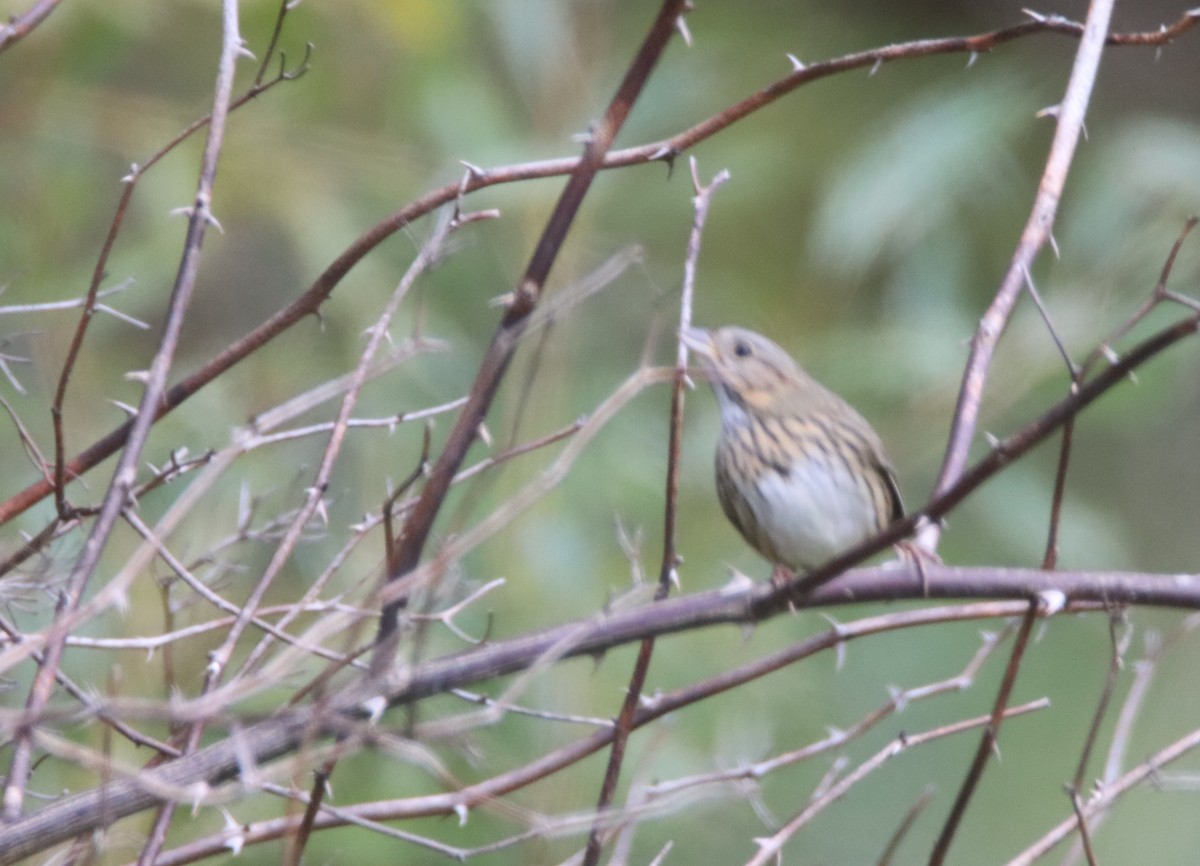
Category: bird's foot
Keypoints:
(781, 576)
(919, 556)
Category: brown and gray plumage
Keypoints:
(801, 475)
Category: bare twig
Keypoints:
(987, 743)
(667, 149)
(20, 26)
(667, 575)
(1118, 633)
(770, 848)
(219, 658)
(1070, 115)
(522, 303)
(458, 802)
(898, 700)
(910, 818)
(125, 474)
(1106, 796)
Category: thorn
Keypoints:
(121, 603)
(666, 154)
(839, 650)
(875, 67)
(738, 583)
(797, 66)
(1051, 601)
(375, 707)
(694, 168)
(971, 58)
(460, 809)
(650, 701)
(1036, 16)
(1054, 246)
(1048, 111)
(685, 34)
(237, 837)
(474, 170)
(199, 792)
(992, 439)
(245, 507)
(484, 435)
(137, 376)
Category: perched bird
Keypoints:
(801, 475)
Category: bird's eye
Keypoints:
(742, 349)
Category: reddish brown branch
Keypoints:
(65, 471)
(520, 305)
(987, 743)
(125, 474)
(667, 149)
(670, 558)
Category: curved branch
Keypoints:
(667, 149)
(288, 732)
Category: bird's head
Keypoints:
(746, 369)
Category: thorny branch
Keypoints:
(667, 575)
(295, 730)
(125, 474)
(520, 306)
(478, 178)
(1037, 232)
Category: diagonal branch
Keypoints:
(311, 300)
(520, 305)
(125, 474)
(1038, 230)
(670, 557)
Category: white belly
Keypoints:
(814, 513)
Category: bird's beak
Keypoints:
(699, 341)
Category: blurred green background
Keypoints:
(867, 224)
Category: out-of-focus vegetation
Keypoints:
(866, 225)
